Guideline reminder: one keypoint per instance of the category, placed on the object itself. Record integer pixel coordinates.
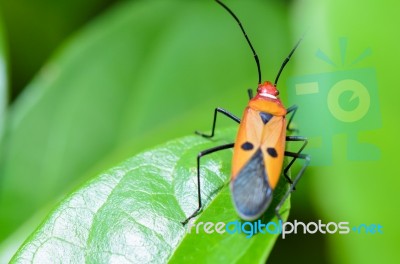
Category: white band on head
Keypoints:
(268, 95)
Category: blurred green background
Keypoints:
(85, 85)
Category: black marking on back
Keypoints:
(272, 152)
(247, 146)
(251, 191)
(265, 117)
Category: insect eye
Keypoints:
(247, 146)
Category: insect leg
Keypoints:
(294, 138)
(222, 111)
(293, 109)
(250, 93)
(296, 180)
(201, 154)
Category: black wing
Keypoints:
(251, 191)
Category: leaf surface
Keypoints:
(133, 213)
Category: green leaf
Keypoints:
(35, 29)
(360, 186)
(133, 212)
(145, 72)
(3, 80)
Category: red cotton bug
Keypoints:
(259, 148)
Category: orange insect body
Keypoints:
(258, 152)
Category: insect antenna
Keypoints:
(287, 60)
(247, 38)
